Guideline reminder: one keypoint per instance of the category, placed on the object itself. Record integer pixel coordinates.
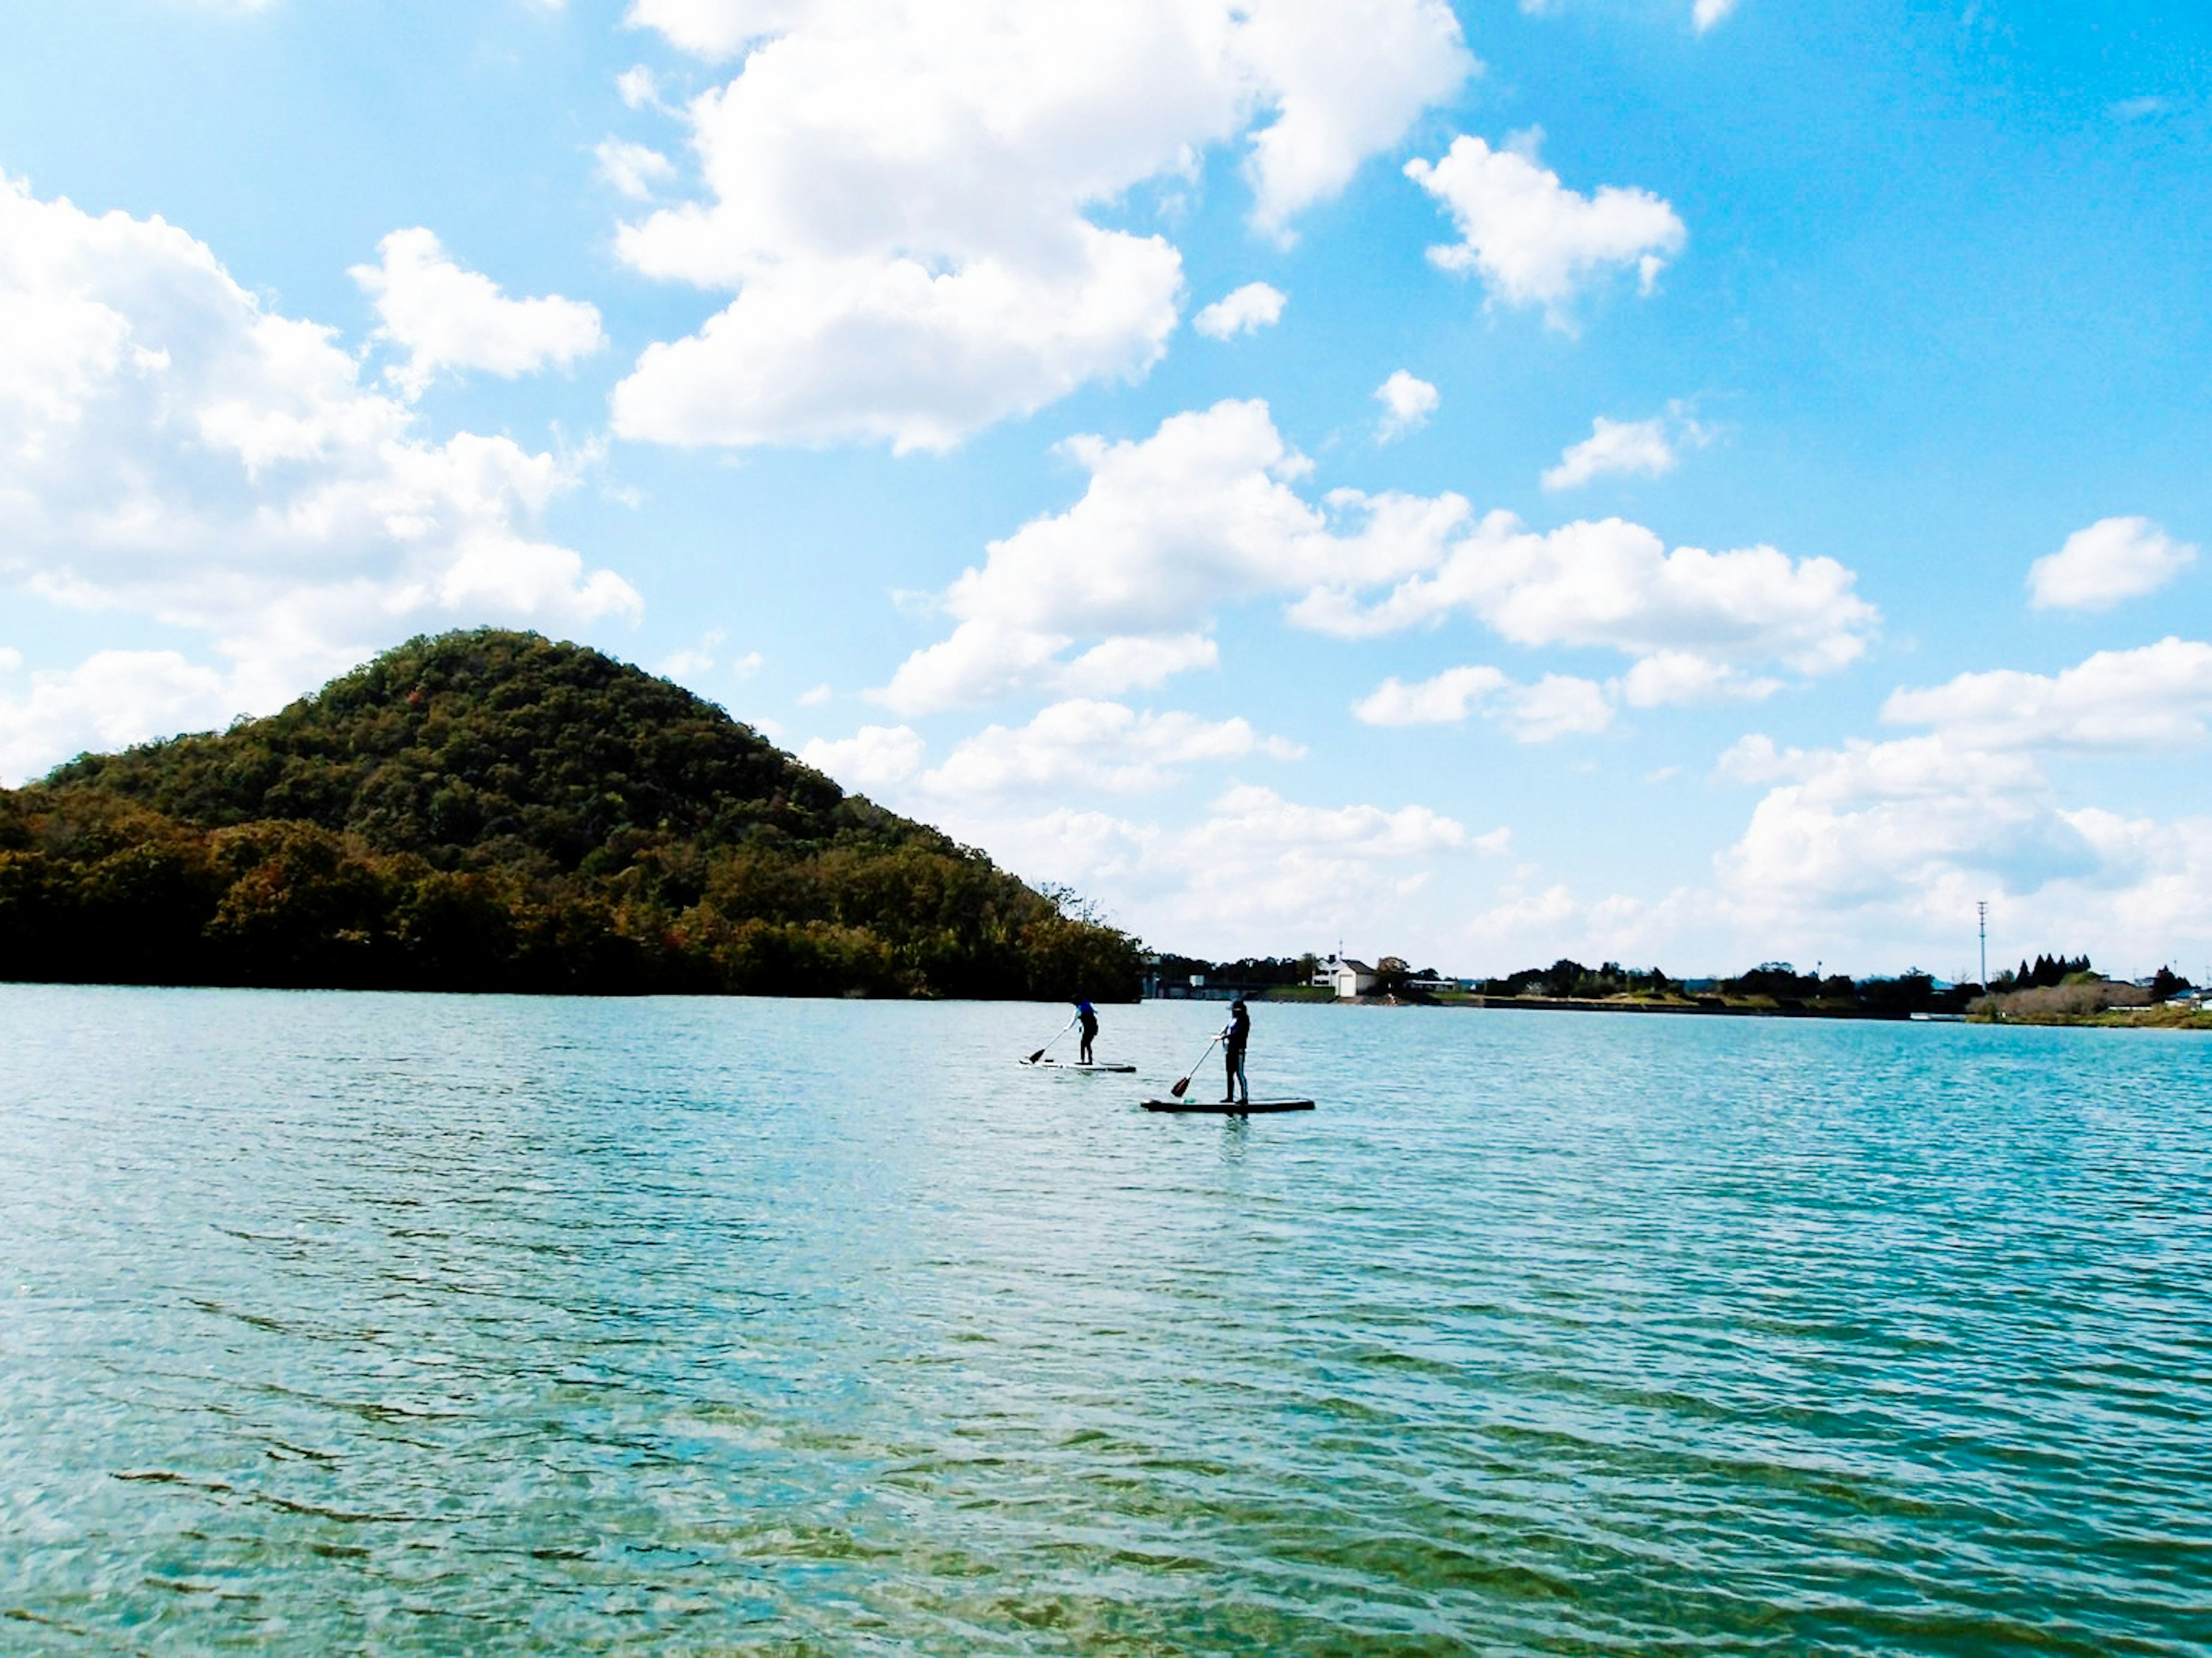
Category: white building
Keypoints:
(1346, 976)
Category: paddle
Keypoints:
(1183, 1087)
(1047, 1048)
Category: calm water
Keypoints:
(422, 1324)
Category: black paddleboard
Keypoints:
(1069, 1065)
(1223, 1108)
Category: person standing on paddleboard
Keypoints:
(1232, 1053)
(1089, 1020)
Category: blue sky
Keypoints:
(1652, 479)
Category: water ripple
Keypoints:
(424, 1324)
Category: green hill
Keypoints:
(491, 811)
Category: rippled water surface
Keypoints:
(333, 1321)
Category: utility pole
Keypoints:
(1982, 910)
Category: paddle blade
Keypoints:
(1181, 1088)
(1035, 1057)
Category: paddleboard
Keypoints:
(1070, 1064)
(1218, 1108)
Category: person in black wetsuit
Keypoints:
(1089, 1021)
(1232, 1053)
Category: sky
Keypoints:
(1688, 482)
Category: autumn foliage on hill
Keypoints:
(492, 810)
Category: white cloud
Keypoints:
(901, 192)
(1253, 307)
(1257, 873)
(11, 660)
(1680, 677)
(110, 700)
(633, 169)
(1083, 744)
(874, 760)
(1406, 405)
(1556, 705)
(172, 448)
(1447, 699)
(1200, 513)
(639, 88)
(1614, 585)
(448, 318)
(2145, 701)
(1206, 512)
(2138, 109)
(717, 29)
(892, 350)
(1897, 840)
(684, 663)
(2114, 559)
(1706, 13)
(1883, 836)
(1646, 448)
(692, 660)
(1532, 241)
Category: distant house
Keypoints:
(1346, 976)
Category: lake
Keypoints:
(334, 1322)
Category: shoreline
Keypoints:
(2157, 1017)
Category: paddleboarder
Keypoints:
(1232, 1053)
(1089, 1020)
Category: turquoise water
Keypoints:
(429, 1324)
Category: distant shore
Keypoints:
(2159, 1017)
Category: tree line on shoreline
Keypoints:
(493, 811)
(1770, 984)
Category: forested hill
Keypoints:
(491, 811)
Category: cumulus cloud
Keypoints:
(2114, 559)
(1253, 307)
(445, 317)
(1614, 584)
(1406, 405)
(1206, 513)
(873, 760)
(109, 700)
(1707, 12)
(1899, 839)
(694, 661)
(1681, 678)
(1556, 705)
(1256, 870)
(172, 448)
(1083, 744)
(1200, 513)
(633, 169)
(1531, 239)
(1645, 448)
(639, 88)
(1080, 746)
(901, 194)
(2155, 698)
(1919, 826)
